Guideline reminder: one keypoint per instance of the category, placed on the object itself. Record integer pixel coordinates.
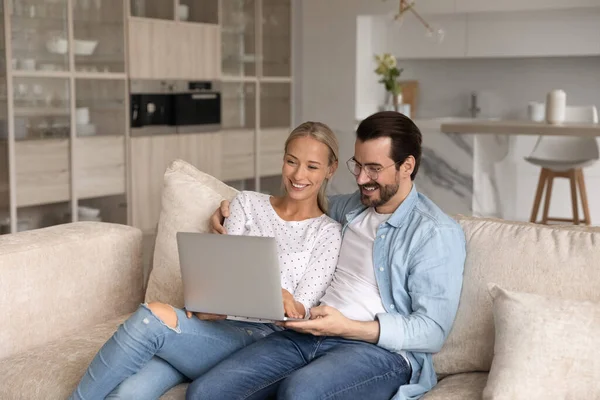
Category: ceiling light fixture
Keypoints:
(435, 33)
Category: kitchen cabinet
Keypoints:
(410, 40)
(206, 11)
(198, 51)
(64, 116)
(238, 153)
(150, 157)
(43, 173)
(534, 34)
(174, 50)
(101, 161)
(272, 141)
(256, 90)
(474, 6)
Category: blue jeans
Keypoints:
(304, 367)
(157, 357)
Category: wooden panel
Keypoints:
(140, 48)
(410, 95)
(272, 142)
(238, 154)
(100, 166)
(150, 157)
(200, 46)
(183, 36)
(171, 50)
(213, 51)
(4, 182)
(166, 50)
(42, 171)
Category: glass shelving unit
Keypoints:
(256, 62)
(64, 110)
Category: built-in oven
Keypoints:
(150, 109)
(201, 107)
(162, 107)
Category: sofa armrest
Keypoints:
(56, 280)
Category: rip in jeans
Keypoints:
(146, 321)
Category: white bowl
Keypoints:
(88, 212)
(57, 45)
(82, 115)
(85, 47)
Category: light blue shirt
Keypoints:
(418, 258)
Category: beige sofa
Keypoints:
(65, 289)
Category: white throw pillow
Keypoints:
(189, 198)
(546, 348)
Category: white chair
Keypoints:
(565, 157)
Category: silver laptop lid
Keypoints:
(231, 275)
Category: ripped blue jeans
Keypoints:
(145, 357)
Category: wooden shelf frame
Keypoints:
(265, 158)
(75, 152)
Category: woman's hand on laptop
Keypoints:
(216, 220)
(205, 316)
(292, 308)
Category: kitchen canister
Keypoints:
(556, 105)
(536, 111)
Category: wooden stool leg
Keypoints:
(584, 199)
(573, 181)
(550, 181)
(538, 195)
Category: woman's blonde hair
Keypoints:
(321, 132)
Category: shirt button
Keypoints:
(382, 236)
(392, 306)
(381, 269)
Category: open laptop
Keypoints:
(237, 276)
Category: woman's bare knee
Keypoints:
(165, 312)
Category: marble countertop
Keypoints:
(507, 127)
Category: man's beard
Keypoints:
(385, 194)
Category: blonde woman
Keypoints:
(160, 346)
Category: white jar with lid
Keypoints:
(556, 105)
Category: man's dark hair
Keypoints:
(406, 136)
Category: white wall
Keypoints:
(505, 85)
(330, 54)
(325, 70)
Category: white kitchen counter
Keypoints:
(477, 167)
(507, 127)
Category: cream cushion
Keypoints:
(467, 386)
(52, 371)
(189, 198)
(546, 348)
(552, 261)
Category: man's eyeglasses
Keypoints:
(372, 171)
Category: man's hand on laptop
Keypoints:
(328, 321)
(292, 308)
(205, 316)
(216, 220)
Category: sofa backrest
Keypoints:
(563, 262)
(59, 280)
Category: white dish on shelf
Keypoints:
(82, 115)
(85, 47)
(88, 212)
(57, 45)
(86, 130)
